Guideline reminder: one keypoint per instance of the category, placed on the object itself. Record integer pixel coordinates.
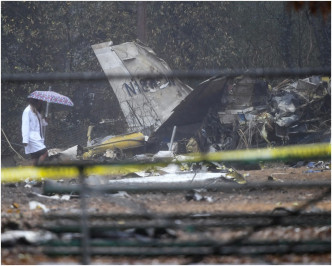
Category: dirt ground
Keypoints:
(16, 215)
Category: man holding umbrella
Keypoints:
(33, 123)
(32, 131)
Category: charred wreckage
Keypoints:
(220, 114)
(245, 113)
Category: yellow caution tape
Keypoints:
(20, 173)
(280, 153)
(309, 151)
(327, 79)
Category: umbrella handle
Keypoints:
(47, 104)
(46, 112)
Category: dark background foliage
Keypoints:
(39, 37)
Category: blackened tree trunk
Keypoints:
(286, 39)
(141, 21)
(322, 32)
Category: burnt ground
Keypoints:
(16, 215)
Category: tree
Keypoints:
(57, 36)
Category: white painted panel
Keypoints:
(145, 103)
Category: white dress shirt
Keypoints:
(32, 130)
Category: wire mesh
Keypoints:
(198, 74)
(86, 246)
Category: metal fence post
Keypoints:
(85, 238)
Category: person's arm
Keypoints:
(43, 125)
(25, 127)
(44, 122)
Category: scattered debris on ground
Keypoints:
(23, 229)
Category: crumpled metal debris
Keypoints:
(192, 146)
(196, 196)
(252, 114)
(301, 110)
(242, 113)
(31, 182)
(317, 167)
(235, 176)
(113, 147)
(69, 154)
(37, 205)
(57, 197)
(164, 155)
(10, 238)
(310, 171)
(147, 234)
(319, 164)
(179, 169)
(272, 178)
